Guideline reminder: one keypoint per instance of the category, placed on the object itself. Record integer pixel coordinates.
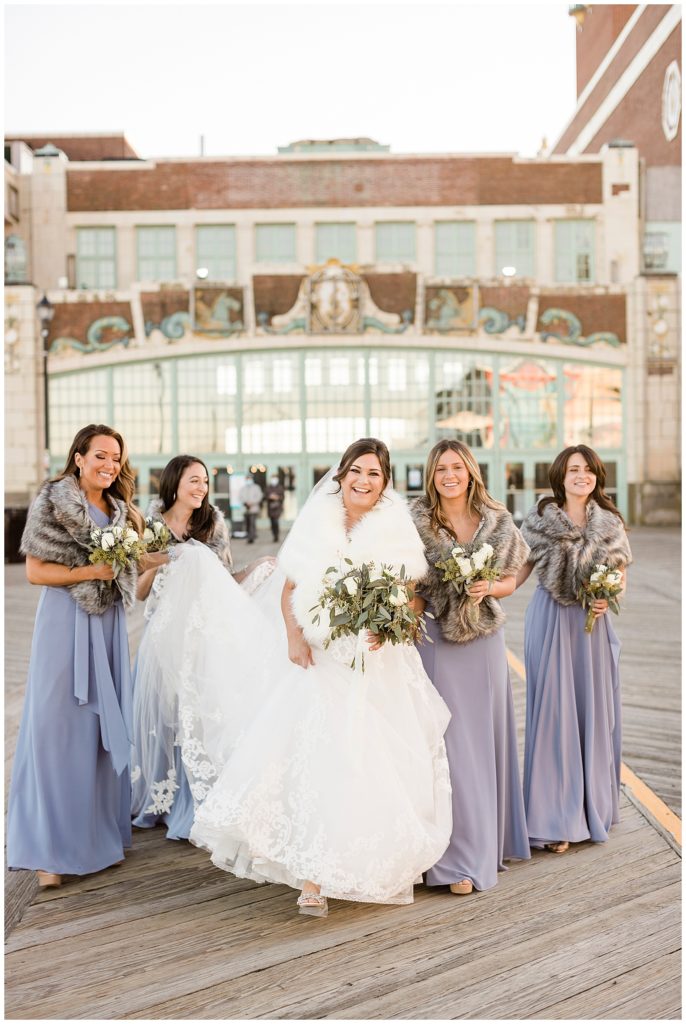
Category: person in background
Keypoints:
(275, 495)
(251, 496)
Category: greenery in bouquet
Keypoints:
(364, 598)
(605, 584)
(461, 571)
(156, 535)
(117, 546)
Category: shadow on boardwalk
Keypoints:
(595, 933)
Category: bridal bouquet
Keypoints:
(462, 570)
(117, 546)
(604, 584)
(363, 598)
(156, 535)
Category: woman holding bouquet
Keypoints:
(181, 513)
(70, 793)
(573, 716)
(340, 785)
(467, 664)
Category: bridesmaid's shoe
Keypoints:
(462, 888)
(557, 847)
(313, 904)
(47, 880)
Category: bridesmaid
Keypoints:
(70, 791)
(468, 666)
(161, 792)
(573, 717)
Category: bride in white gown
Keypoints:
(316, 775)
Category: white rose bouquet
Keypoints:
(117, 546)
(156, 535)
(462, 570)
(363, 598)
(604, 584)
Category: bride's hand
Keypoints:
(374, 640)
(299, 651)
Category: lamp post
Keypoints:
(46, 312)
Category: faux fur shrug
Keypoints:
(450, 608)
(218, 540)
(564, 554)
(318, 539)
(58, 529)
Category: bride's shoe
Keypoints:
(313, 904)
(48, 880)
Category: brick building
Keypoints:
(263, 312)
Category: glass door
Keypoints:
(525, 481)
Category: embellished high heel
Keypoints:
(48, 880)
(313, 904)
(561, 847)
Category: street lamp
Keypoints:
(46, 312)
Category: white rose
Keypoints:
(148, 536)
(465, 566)
(601, 568)
(400, 599)
(479, 559)
(158, 527)
(131, 535)
(107, 541)
(117, 531)
(350, 585)
(486, 550)
(615, 577)
(595, 576)
(95, 536)
(457, 551)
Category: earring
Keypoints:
(174, 496)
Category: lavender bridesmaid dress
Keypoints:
(489, 826)
(70, 791)
(573, 724)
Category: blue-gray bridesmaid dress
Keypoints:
(70, 791)
(573, 723)
(489, 826)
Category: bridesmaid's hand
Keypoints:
(102, 571)
(478, 591)
(152, 560)
(599, 607)
(299, 651)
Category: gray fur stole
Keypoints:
(564, 554)
(218, 540)
(58, 529)
(451, 609)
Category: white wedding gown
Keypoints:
(326, 774)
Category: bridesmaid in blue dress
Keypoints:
(69, 795)
(467, 664)
(161, 792)
(573, 716)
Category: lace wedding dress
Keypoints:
(326, 774)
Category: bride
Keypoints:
(336, 782)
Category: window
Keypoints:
(455, 248)
(395, 242)
(335, 241)
(275, 243)
(662, 247)
(215, 249)
(575, 250)
(96, 261)
(514, 247)
(156, 253)
(13, 202)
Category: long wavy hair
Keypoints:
(201, 523)
(558, 471)
(124, 484)
(365, 446)
(478, 497)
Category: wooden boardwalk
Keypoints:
(593, 934)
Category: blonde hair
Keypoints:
(478, 497)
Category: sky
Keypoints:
(427, 78)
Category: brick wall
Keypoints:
(601, 26)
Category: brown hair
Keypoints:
(201, 522)
(365, 446)
(124, 484)
(558, 470)
(477, 495)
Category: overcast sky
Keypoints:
(422, 78)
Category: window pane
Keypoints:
(395, 242)
(575, 251)
(156, 253)
(455, 248)
(528, 404)
(514, 246)
(96, 258)
(76, 399)
(275, 243)
(335, 241)
(216, 250)
(206, 404)
(143, 406)
(593, 406)
(334, 397)
(272, 415)
(463, 405)
(399, 400)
